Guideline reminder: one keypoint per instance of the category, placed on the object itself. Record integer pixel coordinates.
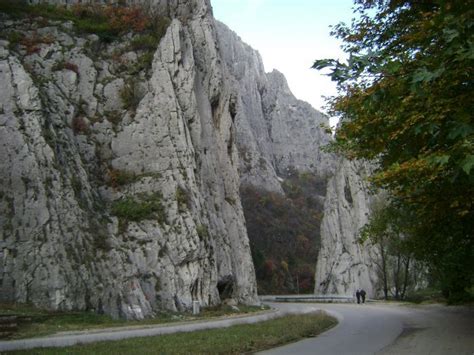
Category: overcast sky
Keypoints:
(290, 35)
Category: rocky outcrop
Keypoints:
(120, 167)
(120, 185)
(276, 133)
(343, 263)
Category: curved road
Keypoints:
(389, 329)
(362, 329)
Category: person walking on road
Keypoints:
(358, 296)
(362, 295)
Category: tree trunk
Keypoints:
(396, 277)
(384, 270)
(405, 281)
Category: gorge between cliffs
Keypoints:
(125, 165)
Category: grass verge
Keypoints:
(35, 322)
(234, 340)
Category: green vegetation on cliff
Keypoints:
(107, 21)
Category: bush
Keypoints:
(14, 38)
(202, 232)
(144, 42)
(425, 295)
(79, 125)
(117, 178)
(182, 198)
(66, 65)
(32, 42)
(145, 61)
(106, 21)
(114, 117)
(131, 209)
(131, 95)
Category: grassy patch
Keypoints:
(117, 177)
(147, 207)
(234, 340)
(131, 95)
(144, 42)
(36, 322)
(182, 198)
(202, 232)
(225, 310)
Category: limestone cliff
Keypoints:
(343, 263)
(119, 183)
(283, 169)
(120, 167)
(276, 133)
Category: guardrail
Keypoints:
(309, 298)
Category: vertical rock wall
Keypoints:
(118, 209)
(74, 159)
(343, 263)
(276, 133)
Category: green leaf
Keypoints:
(323, 64)
(393, 67)
(424, 75)
(461, 130)
(467, 164)
(450, 34)
(439, 159)
(421, 75)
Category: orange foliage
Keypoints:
(127, 17)
(32, 43)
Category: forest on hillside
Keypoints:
(284, 233)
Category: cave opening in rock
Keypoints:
(225, 286)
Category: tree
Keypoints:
(405, 99)
(387, 231)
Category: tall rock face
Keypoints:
(119, 183)
(120, 166)
(276, 133)
(283, 169)
(343, 263)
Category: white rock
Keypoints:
(345, 265)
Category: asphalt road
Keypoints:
(390, 329)
(362, 329)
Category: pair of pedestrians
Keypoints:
(360, 295)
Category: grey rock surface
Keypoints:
(86, 133)
(345, 265)
(120, 191)
(277, 134)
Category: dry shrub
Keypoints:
(31, 43)
(79, 125)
